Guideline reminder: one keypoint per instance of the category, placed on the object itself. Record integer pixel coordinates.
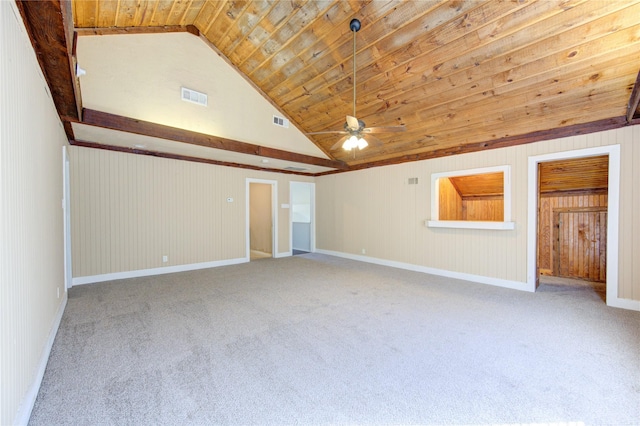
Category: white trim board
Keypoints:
(26, 407)
(613, 212)
(156, 271)
(515, 285)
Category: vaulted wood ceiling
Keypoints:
(462, 76)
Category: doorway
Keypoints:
(261, 226)
(572, 231)
(302, 224)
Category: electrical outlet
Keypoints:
(364, 251)
(58, 289)
(165, 258)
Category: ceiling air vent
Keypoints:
(281, 121)
(190, 95)
(295, 169)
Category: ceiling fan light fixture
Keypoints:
(350, 143)
(353, 127)
(354, 142)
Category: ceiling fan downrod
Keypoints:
(354, 25)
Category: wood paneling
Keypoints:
(479, 185)
(481, 209)
(473, 198)
(550, 205)
(450, 201)
(582, 174)
(462, 76)
(580, 243)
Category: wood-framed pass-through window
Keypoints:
(474, 199)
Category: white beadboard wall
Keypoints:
(32, 293)
(377, 211)
(128, 211)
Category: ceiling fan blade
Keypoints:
(339, 143)
(340, 132)
(353, 123)
(387, 129)
(373, 141)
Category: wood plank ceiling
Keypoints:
(462, 76)
(574, 175)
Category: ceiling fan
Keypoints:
(357, 135)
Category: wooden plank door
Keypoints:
(581, 244)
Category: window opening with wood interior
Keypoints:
(471, 198)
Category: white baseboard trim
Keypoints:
(283, 254)
(632, 305)
(516, 285)
(24, 412)
(155, 271)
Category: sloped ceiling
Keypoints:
(462, 76)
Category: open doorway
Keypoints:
(572, 224)
(302, 217)
(261, 219)
(594, 224)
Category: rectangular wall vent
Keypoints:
(281, 121)
(190, 95)
(295, 169)
(413, 181)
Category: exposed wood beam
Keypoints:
(139, 30)
(180, 157)
(561, 132)
(195, 31)
(50, 26)
(634, 100)
(140, 127)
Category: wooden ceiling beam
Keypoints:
(634, 100)
(140, 127)
(578, 129)
(49, 25)
(180, 157)
(192, 29)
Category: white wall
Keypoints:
(127, 211)
(377, 211)
(32, 293)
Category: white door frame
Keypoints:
(312, 237)
(613, 208)
(274, 215)
(66, 213)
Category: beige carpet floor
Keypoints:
(314, 339)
